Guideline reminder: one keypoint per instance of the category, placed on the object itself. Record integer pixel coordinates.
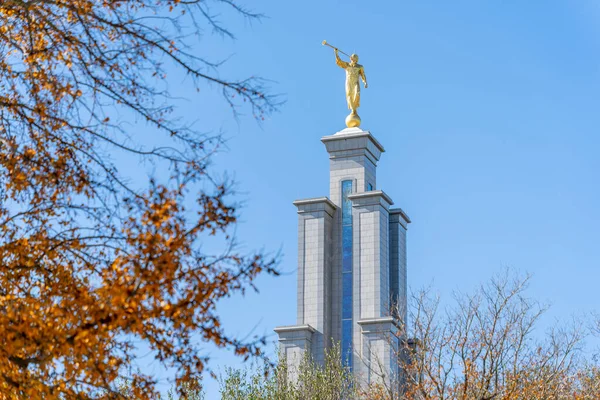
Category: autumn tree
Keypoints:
(489, 345)
(94, 264)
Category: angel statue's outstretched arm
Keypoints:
(341, 63)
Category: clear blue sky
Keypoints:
(490, 115)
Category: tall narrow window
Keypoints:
(346, 274)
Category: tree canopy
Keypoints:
(92, 265)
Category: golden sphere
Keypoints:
(352, 120)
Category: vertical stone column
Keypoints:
(294, 343)
(372, 333)
(353, 156)
(371, 253)
(398, 281)
(315, 224)
(379, 351)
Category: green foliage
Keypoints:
(309, 380)
(246, 384)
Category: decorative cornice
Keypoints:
(402, 214)
(314, 200)
(355, 133)
(380, 320)
(381, 324)
(294, 328)
(316, 204)
(373, 193)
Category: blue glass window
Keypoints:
(346, 274)
(347, 248)
(347, 296)
(347, 342)
(369, 187)
(346, 203)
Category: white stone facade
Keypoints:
(351, 265)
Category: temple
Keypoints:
(351, 266)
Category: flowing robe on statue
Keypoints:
(353, 72)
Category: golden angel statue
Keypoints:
(354, 72)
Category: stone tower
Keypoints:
(351, 265)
